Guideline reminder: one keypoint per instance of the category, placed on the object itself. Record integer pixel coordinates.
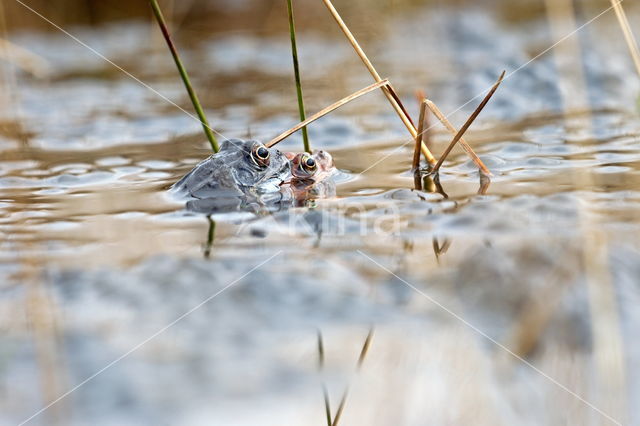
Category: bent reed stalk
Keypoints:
(184, 76)
(325, 111)
(468, 123)
(388, 92)
(446, 123)
(632, 44)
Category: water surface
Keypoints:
(214, 321)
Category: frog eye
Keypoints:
(308, 164)
(260, 155)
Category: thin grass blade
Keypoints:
(628, 34)
(446, 123)
(185, 77)
(296, 71)
(416, 151)
(387, 90)
(325, 111)
(468, 123)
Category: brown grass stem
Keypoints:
(485, 182)
(468, 123)
(325, 111)
(416, 151)
(296, 72)
(632, 44)
(446, 123)
(388, 92)
(185, 77)
(397, 99)
(26, 60)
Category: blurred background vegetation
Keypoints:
(200, 15)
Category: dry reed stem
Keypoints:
(426, 138)
(628, 34)
(561, 16)
(28, 61)
(536, 316)
(326, 111)
(9, 99)
(416, 151)
(388, 92)
(468, 123)
(396, 98)
(423, 147)
(446, 123)
(485, 182)
(606, 328)
(417, 180)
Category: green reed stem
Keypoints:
(296, 70)
(185, 77)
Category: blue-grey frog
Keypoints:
(239, 168)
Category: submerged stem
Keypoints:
(185, 77)
(211, 233)
(296, 71)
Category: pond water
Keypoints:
(513, 301)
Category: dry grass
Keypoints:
(416, 152)
(468, 123)
(446, 123)
(24, 59)
(326, 111)
(628, 34)
(388, 92)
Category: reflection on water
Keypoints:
(96, 256)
